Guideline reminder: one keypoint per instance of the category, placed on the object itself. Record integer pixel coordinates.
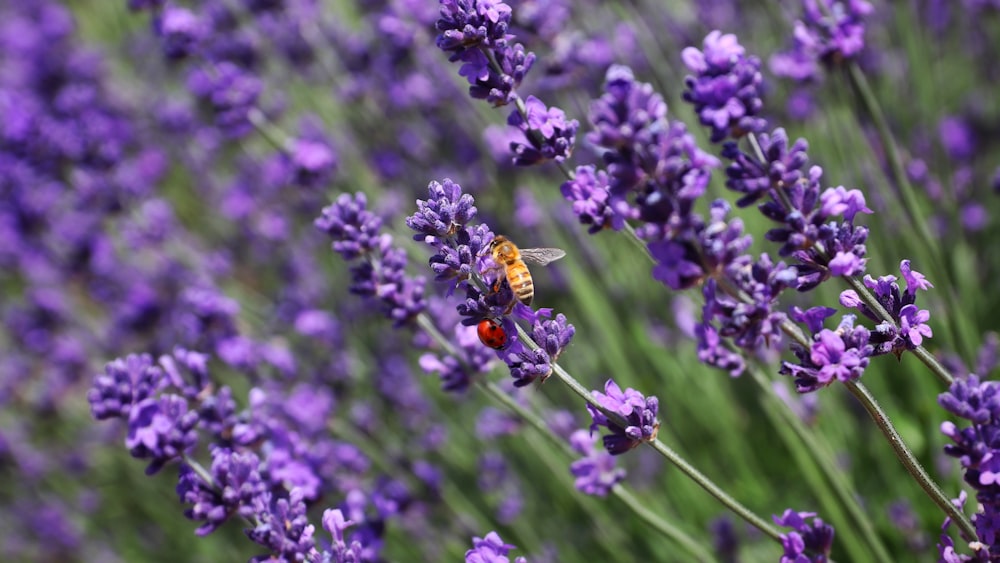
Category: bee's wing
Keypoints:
(541, 256)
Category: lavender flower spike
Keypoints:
(725, 90)
(805, 543)
(490, 549)
(638, 411)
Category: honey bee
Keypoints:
(512, 260)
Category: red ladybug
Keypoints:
(492, 334)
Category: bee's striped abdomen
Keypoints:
(520, 282)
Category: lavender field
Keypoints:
(524, 281)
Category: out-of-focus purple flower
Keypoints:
(840, 355)
(125, 383)
(957, 138)
(908, 325)
(161, 429)
(724, 539)
(805, 543)
(548, 134)
(596, 473)
(180, 30)
(313, 162)
(355, 233)
(902, 515)
(639, 414)
(490, 549)
(830, 31)
(725, 89)
(230, 93)
(340, 552)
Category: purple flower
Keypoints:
(588, 192)
(382, 275)
(830, 31)
(549, 136)
(340, 552)
(596, 472)
(805, 543)
(908, 325)
(180, 30)
(725, 90)
(236, 485)
(161, 429)
(125, 383)
(808, 230)
(712, 352)
(636, 411)
(445, 210)
(840, 355)
(313, 162)
(283, 527)
(974, 446)
(475, 33)
(230, 92)
(490, 549)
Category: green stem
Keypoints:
(686, 468)
(714, 490)
(618, 491)
(907, 458)
(823, 459)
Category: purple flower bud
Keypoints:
(840, 355)
(125, 383)
(596, 472)
(179, 30)
(445, 210)
(283, 527)
(230, 92)
(805, 543)
(335, 523)
(490, 549)
(638, 412)
(588, 192)
(830, 31)
(161, 429)
(549, 136)
(725, 90)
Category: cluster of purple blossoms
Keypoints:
(833, 355)
(725, 90)
(638, 422)
(830, 32)
(491, 549)
(261, 469)
(549, 135)
(805, 543)
(655, 170)
(907, 326)
(462, 258)
(977, 447)
(382, 273)
(596, 472)
(809, 232)
(475, 32)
